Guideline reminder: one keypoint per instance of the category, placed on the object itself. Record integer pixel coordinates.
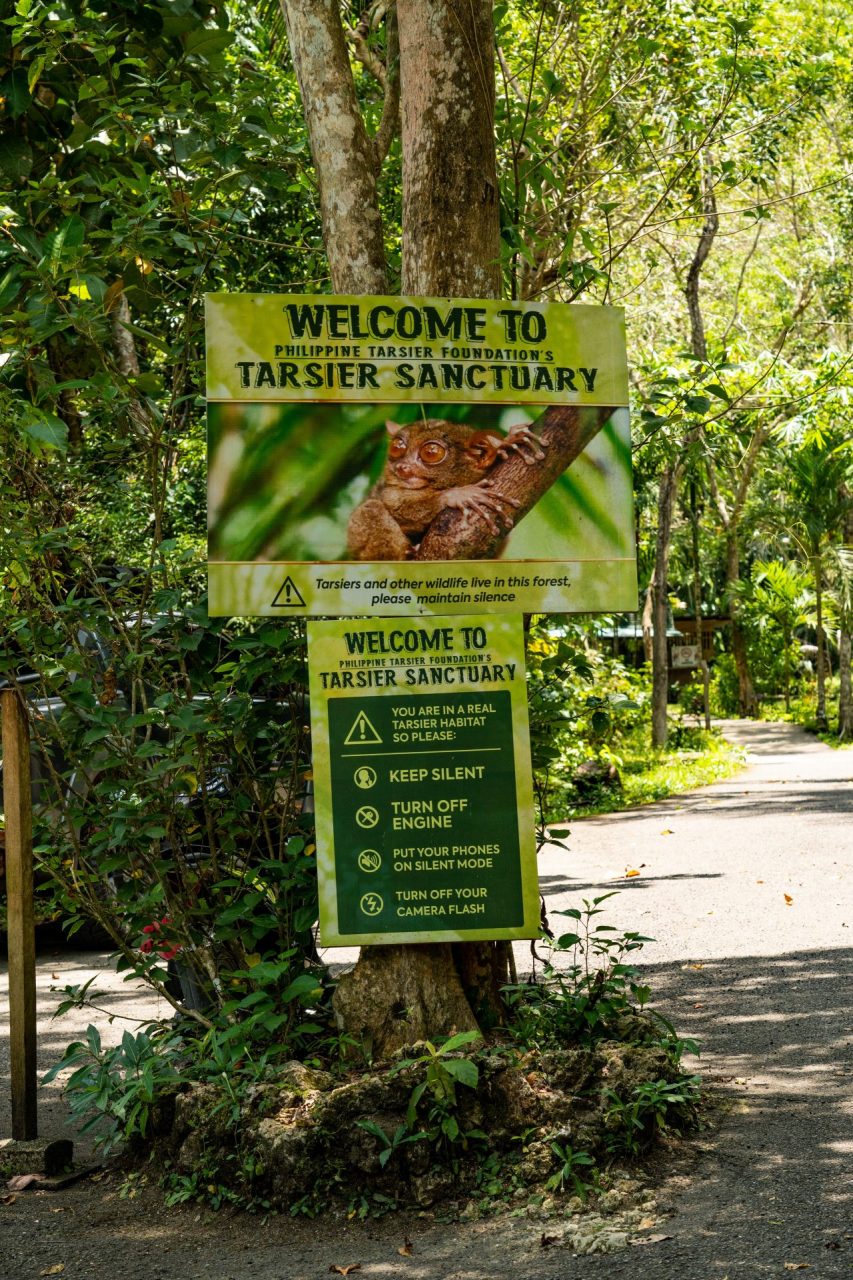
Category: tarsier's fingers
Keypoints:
(498, 497)
(522, 441)
(489, 507)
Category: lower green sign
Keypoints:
(423, 791)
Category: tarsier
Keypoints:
(433, 465)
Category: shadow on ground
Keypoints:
(768, 1183)
(774, 1183)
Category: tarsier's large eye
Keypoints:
(397, 447)
(432, 452)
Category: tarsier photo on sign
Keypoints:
(379, 482)
(432, 466)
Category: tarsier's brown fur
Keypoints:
(433, 465)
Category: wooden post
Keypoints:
(17, 806)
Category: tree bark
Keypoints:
(845, 648)
(669, 480)
(660, 649)
(451, 228)
(564, 431)
(820, 711)
(451, 242)
(344, 156)
(747, 701)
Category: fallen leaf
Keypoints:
(797, 1266)
(630, 873)
(666, 832)
(54, 975)
(11, 1200)
(759, 882)
(656, 1239)
(696, 966)
(345, 1271)
(23, 1180)
(547, 1241)
(55, 1270)
(788, 901)
(406, 1249)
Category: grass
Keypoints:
(803, 713)
(695, 759)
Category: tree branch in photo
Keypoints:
(563, 431)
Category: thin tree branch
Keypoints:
(564, 431)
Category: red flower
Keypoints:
(154, 930)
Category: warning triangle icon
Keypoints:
(362, 732)
(287, 596)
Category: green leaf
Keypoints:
(70, 235)
(206, 41)
(460, 1040)
(51, 433)
(305, 985)
(10, 287)
(36, 68)
(16, 158)
(14, 88)
(600, 722)
(463, 1070)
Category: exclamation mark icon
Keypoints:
(362, 731)
(287, 596)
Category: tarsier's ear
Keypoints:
(482, 448)
(393, 427)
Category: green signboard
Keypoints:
(416, 456)
(424, 797)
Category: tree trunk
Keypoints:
(647, 621)
(845, 686)
(747, 701)
(660, 653)
(845, 647)
(451, 228)
(820, 711)
(669, 479)
(697, 606)
(343, 156)
(396, 995)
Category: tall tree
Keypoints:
(450, 246)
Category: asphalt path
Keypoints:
(746, 888)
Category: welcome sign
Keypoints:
(424, 798)
(416, 456)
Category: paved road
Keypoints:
(746, 886)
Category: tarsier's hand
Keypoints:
(480, 501)
(522, 441)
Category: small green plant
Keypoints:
(634, 1121)
(442, 1074)
(115, 1090)
(401, 1137)
(567, 1175)
(582, 1000)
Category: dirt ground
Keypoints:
(746, 887)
